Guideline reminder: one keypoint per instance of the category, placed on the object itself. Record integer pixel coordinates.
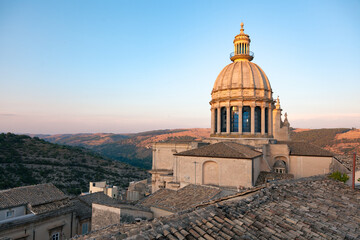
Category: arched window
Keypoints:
(266, 120)
(216, 119)
(211, 173)
(234, 124)
(257, 119)
(246, 119)
(223, 119)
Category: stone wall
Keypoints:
(232, 172)
(306, 166)
(103, 216)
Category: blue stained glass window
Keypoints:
(234, 120)
(246, 119)
(266, 120)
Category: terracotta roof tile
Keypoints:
(306, 149)
(33, 195)
(223, 150)
(97, 197)
(286, 210)
(182, 199)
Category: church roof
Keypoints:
(182, 199)
(306, 149)
(308, 208)
(223, 150)
(243, 74)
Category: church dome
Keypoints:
(242, 79)
(241, 99)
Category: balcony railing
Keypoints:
(251, 54)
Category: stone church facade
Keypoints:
(248, 135)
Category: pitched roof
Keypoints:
(306, 149)
(98, 197)
(311, 208)
(82, 209)
(33, 195)
(223, 150)
(182, 199)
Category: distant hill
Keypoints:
(134, 149)
(341, 141)
(25, 161)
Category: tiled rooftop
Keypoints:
(309, 208)
(33, 195)
(98, 197)
(306, 149)
(223, 150)
(182, 199)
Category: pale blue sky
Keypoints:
(129, 66)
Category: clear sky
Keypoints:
(128, 66)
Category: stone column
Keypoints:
(228, 119)
(218, 119)
(240, 118)
(263, 120)
(212, 120)
(252, 127)
(270, 119)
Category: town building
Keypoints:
(44, 212)
(307, 208)
(249, 137)
(110, 190)
(106, 214)
(36, 212)
(138, 190)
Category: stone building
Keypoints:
(138, 190)
(110, 190)
(249, 137)
(36, 212)
(306, 208)
(108, 214)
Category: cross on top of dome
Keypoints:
(242, 28)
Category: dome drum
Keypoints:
(247, 119)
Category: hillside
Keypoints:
(134, 149)
(341, 141)
(25, 161)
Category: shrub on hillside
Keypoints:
(340, 177)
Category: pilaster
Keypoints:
(213, 120)
(218, 119)
(252, 127)
(263, 119)
(240, 118)
(228, 119)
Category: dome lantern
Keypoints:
(242, 47)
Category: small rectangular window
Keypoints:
(10, 214)
(93, 184)
(55, 236)
(84, 228)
